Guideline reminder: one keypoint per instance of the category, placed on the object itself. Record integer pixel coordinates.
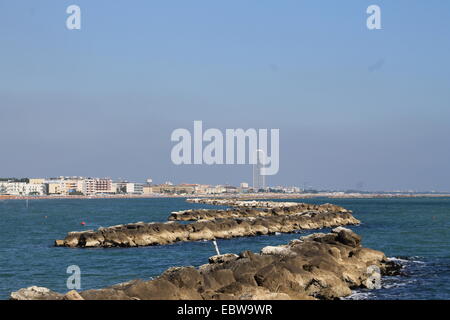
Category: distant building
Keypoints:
(73, 186)
(54, 187)
(134, 188)
(216, 190)
(244, 187)
(147, 189)
(36, 181)
(293, 190)
(178, 189)
(94, 186)
(16, 188)
(231, 189)
(120, 186)
(259, 180)
(201, 188)
(139, 188)
(89, 187)
(65, 185)
(22, 189)
(35, 189)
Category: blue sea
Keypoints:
(415, 231)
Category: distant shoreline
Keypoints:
(240, 196)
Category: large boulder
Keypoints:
(35, 293)
(72, 295)
(278, 250)
(221, 258)
(347, 237)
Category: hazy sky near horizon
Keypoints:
(355, 107)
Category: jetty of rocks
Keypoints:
(318, 266)
(246, 218)
(246, 209)
(241, 203)
(148, 234)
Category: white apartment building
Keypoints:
(38, 189)
(22, 189)
(292, 190)
(134, 188)
(244, 185)
(216, 190)
(202, 188)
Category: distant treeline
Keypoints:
(26, 180)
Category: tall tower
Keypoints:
(259, 180)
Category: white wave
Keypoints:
(404, 261)
(398, 260)
(396, 284)
(359, 296)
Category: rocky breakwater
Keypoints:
(147, 234)
(241, 203)
(262, 210)
(318, 266)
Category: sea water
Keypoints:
(415, 231)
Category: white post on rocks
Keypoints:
(216, 247)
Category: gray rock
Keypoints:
(35, 293)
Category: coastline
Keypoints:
(237, 196)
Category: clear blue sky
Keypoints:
(354, 106)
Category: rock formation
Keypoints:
(147, 234)
(35, 293)
(241, 203)
(318, 266)
(248, 210)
